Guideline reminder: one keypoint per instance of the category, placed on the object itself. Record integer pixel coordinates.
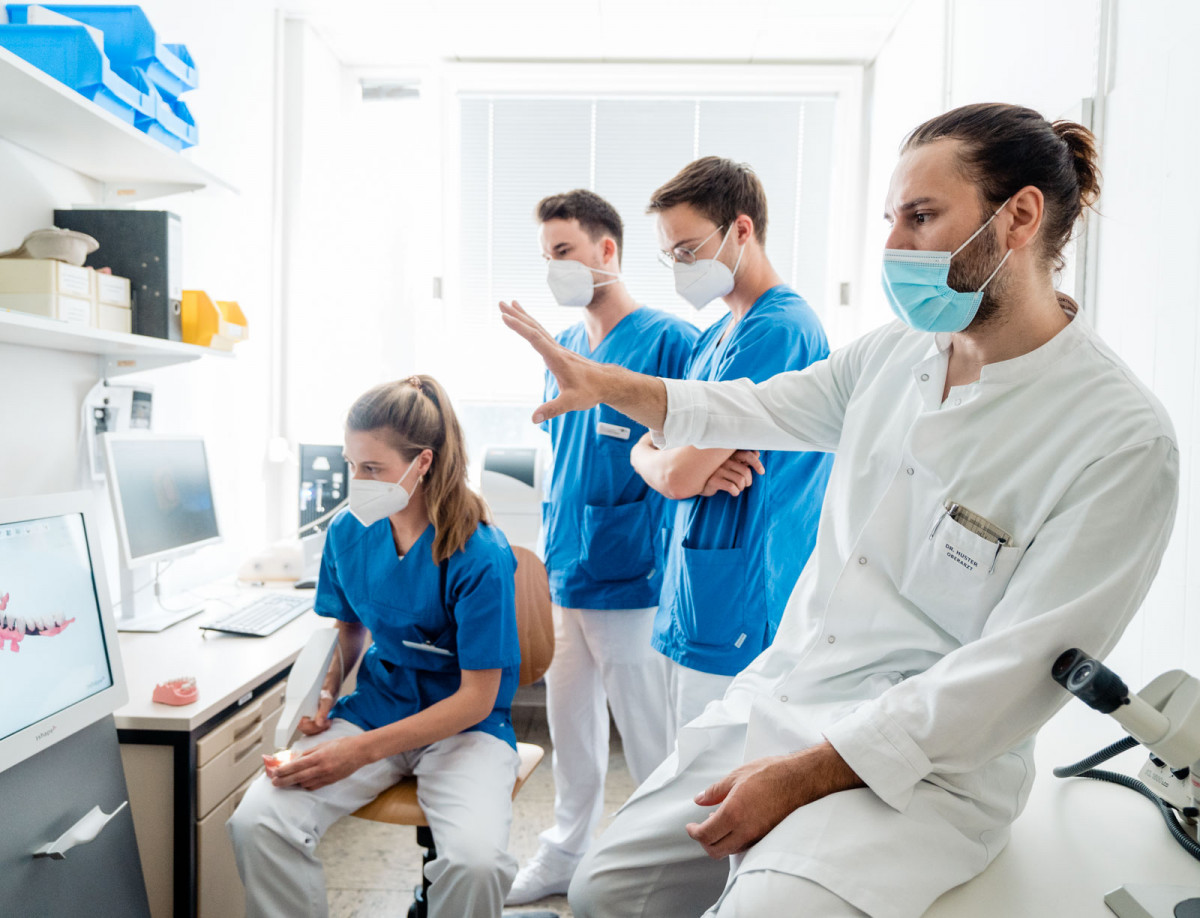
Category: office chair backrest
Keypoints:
(535, 625)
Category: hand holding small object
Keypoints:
(311, 726)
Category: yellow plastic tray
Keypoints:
(218, 325)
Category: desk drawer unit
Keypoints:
(232, 752)
(219, 887)
(183, 786)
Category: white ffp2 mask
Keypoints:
(571, 281)
(371, 501)
(705, 279)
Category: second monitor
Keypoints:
(163, 508)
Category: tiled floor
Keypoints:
(371, 869)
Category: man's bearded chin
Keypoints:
(968, 271)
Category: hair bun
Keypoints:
(1082, 145)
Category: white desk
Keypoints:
(159, 742)
(1077, 839)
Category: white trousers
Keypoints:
(464, 785)
(602, 659)
(758, 893)
(646, 866)
(688, 693)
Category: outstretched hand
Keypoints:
(578, 387)
(756, 797)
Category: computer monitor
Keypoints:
(163, 509)
(60, 664)
(324, 478)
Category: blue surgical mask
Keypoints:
(916, 285)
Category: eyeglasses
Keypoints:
(680, 255)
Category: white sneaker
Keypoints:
(548, 873)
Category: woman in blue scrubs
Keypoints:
(415, 563)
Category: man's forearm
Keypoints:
(643, 398)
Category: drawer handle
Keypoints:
(248, 720)
(250, 745)
(92, 823)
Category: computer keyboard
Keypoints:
(263, 616)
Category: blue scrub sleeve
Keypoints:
(764, 347)
(677, 352)
(483, 598)
(331, 600)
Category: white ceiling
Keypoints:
(384, 33)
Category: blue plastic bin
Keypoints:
(172, 124)
(69, 54)
(129, 41)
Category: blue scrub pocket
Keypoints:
(712, 601)
(616, 542)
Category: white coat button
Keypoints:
(924, 377)
(910, 471)
(783, 697)
(831, 639)
(862, 560)
(958, 401)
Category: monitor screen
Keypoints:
(59, 667)
(162, 498)
(324, 478)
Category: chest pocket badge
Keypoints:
(960, 571)
(616, 431)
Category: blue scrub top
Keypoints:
(427, 621)
(732, 561)
(602, 524)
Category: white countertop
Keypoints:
(1077, 839)
(225, 666)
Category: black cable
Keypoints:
(1072, 771)
(1188, 843)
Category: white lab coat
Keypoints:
(921, 651)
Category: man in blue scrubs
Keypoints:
(744, 523)
(604, 545)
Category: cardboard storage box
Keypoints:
(48, 288)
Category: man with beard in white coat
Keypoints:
(1003, 489)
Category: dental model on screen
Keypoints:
(14, 628)
(54, 591)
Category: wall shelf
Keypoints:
(43, 115)
(120, 353)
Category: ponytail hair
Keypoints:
(1081, 143)
(415, 414)
(1006, 147)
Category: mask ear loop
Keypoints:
(410, 468)
(741, 251)
(982, 228)
(994, 273)
(615, 275)
(724, 239)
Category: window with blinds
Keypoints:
(516, 150)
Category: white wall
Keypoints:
(357, 236)
(227, 250)
(1047, 56)
(1149, 282)
(906, 86)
